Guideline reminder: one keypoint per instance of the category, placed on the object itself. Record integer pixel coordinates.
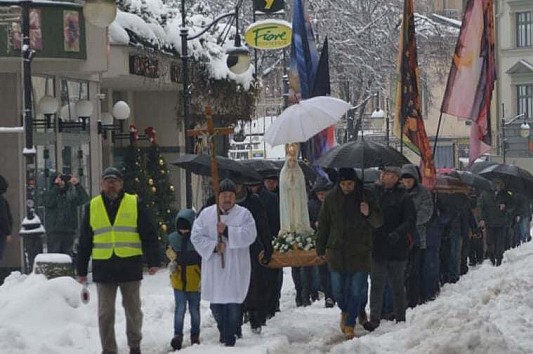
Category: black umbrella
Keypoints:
(370, 175)
(515, 178)
(449, 185)
(265, 168)
(362, 154)
(480, 166)
(472, 180)
(227, 168)
(308, 170)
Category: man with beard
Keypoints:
(117, 231)
(225, 281)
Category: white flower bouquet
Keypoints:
(293, 241)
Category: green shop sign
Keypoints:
(269, 34)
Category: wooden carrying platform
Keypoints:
(293, 258)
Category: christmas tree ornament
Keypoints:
(161, 162)
(164, 228)
(150, 182)
(153, 189)
(171, 188)
(137, 179)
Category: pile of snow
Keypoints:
(490, 310)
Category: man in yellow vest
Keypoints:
(116, 229)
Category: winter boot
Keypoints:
(349, 332)
(371, 325)
(344, 317)
(329, 302)
(195, 339)
(176, 342)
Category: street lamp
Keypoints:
(524, 131)
(31, 224)
(238, 62)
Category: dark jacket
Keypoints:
(423, 204)
(61, 208)
(118, 269)
(6, 219)
(392, 239)
(188, 261)
(489, 210)
(271, 203)
(344, 234)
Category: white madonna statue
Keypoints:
(294, 216)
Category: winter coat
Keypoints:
(392, 239)
(6, 219)
(489, 210)
(423, 204)
(271, 203)
(186, 276)
(263, 242)
(117, 269)
(61, 208)
(344, 234)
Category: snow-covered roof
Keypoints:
(157, 24)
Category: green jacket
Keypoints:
(61, 208)
(344, 234)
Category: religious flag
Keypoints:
(304, 55)
(408, 112)
(471, 80)
(324, 140)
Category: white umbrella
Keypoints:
(303, 120)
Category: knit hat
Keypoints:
(347, 174)
(227, 185)
(322, 184)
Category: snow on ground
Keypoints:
(490, 310)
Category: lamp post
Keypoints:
(524, 131)
(237, 63)
(97, 9)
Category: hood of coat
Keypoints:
(186, 214)
(410, 170)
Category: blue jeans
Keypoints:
(430, 274)
(350, 290)
(181, 299)
(228, 317)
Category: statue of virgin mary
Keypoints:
(294, 215)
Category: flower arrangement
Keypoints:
(292, 241)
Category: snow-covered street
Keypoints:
(490, 310)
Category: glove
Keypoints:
(266, 259)
(172, 267)
(393, 238)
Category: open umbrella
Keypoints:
(227, 168)
(303, 120)
(263, 167)
(481, 165)
(362, 154)
(515, 178)
(472, 179)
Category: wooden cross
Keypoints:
(211, 132)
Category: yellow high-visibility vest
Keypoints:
(122, 238)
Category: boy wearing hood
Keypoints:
(185, 277)
(6, 220)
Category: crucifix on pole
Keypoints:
(211, 132)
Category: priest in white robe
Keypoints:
(225, 288)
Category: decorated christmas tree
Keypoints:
(134, 167)
(160, 189)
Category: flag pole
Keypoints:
(437, 136)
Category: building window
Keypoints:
(524, 29)
(524, 100)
